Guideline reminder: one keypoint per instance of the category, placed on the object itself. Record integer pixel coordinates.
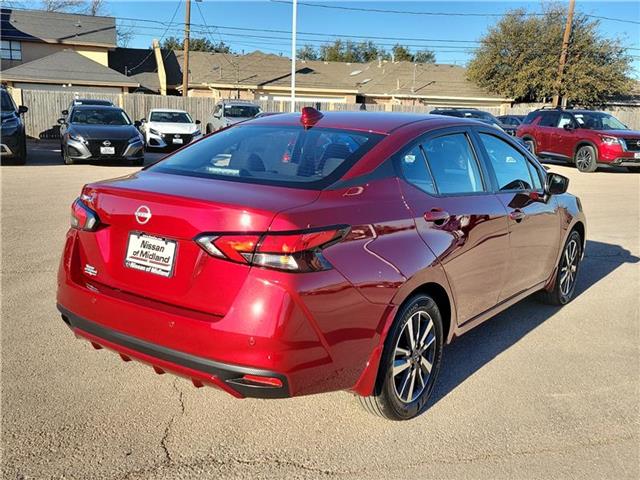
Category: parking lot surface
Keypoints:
(537, 392)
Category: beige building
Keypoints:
(29, 35)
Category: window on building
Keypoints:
(11, 50)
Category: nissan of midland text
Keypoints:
(303, 253)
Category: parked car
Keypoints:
(87, 101)
(13, 138)
(585, 138)
(343, 263)
(230, 112)
(511, 120)
(167, 128)
(474, 113)
(97, 132)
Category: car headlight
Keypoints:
(136, 138)
(153, 131)
(606, 139)
(77, 138)
(197, 133)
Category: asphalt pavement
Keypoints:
(536, 392)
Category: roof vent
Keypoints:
(355, 72)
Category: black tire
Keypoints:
(560, 294)
(137, 162)
(209, 129)
(634, 169)
(67, 159)
(586, 159)
(21, 158)
(394, 397)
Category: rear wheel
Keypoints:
(586, 159)
(410, 362)
(567, 273)
(67, 159)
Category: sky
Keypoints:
(451, 37)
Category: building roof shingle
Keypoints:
(67, 67)
(53, 27)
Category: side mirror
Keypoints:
(22, 109)
(556, 184)
(198, 122)
(217, 115)
(62, 121)
(137, 124)
(568, 127)
(144, 120)
(65, 112)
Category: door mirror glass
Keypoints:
(556, 184)
(137, 124)
(22, 109)
(65, 112)
(198, 122)
(568, 126)
(62, 121)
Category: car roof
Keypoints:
(238, 102)
(375, 122)
(173, 110)
(96, 107)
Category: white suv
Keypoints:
(228, 112)
(165, 128)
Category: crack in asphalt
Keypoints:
(172, 420)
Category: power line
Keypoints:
(441, 14)
(151, 52)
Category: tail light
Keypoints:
(82, 217)
(290, 251)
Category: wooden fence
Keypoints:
(45, 108)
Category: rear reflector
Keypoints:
(289, 251)
(267, 381)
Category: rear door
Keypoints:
(458, 217)
(546, 128)
(565, 136)
(534, 225)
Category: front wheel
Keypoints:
(567, 273)
(410, 362)
(67, 159)
(586, 159)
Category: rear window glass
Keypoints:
(286, 156)
(241, 111)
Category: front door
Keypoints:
(463, 223)
(534, 224)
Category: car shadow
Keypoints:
(550, 162)
(472, 351)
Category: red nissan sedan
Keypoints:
(305, 253)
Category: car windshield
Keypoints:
(241, 111)
(85, 101)
(286, 156)
(170, 117)
(6, 103)
(100, 116)
(599, 121)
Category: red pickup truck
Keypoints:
(584, 137)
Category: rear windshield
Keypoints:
(170, 117)
(100, 116)
(241, 111)
(285, 156)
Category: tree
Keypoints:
(195, 45)
(307, 52)
(518, 58)
(96, 7)
(401, 53)
(424, 56)
(61, 5)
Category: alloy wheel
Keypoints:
(413, 357)
(569, 267)
(583, 159)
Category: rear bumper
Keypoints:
(224, 376)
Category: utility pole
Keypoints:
(563, 55)
(294, 23)
(185, 67)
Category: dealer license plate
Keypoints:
(150, 254)
(107, 150)
(177, 141)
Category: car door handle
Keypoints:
(437, 216)
(517, 215)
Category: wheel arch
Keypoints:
(585, 143)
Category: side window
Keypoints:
(453, 164)
(549, 119)
(510, 166)
(415, 170)
(565, 119)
